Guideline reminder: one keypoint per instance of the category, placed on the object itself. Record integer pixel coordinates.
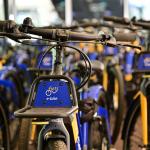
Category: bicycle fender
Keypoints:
(54, 124)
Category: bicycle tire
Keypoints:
(117, 74)
(56, 144)
(130, 125)
(11, 75)
(5, 129)
(97, 136)
(24, 134)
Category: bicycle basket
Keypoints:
(142, 62)
(50, 96)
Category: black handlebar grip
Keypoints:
(125, 37)
(2, 25)
(7, 26)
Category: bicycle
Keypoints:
(138, 111)
(54, 130)
(4, 128)
(58, 69)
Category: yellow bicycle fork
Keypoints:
(105, 79)
(116, 87)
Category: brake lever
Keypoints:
(130, 45)
(138, 48)
(15, 36)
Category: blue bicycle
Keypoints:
(53, 98)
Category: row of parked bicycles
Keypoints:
(75, 87)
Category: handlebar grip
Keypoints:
(125, 37)
(7, 26)
(2, 25)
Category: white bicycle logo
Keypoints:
(147, 61)
(46, 61)
(51, 90)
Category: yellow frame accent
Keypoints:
(74, 124)
(33, 132)
(40, 122)
(105, 80)
(144, 116)
(146, 76)
(116, 92)
(136, 95)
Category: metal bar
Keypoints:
(68, 12)
(6, 9)
(126, 8)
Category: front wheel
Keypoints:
(56, 145)
(133, 133)
(98, 139)
(4, 130)
(116, 103)
(24, 135)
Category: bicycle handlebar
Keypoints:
(126, 21)
(15, 32)
(55, 34)
(60, 34)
